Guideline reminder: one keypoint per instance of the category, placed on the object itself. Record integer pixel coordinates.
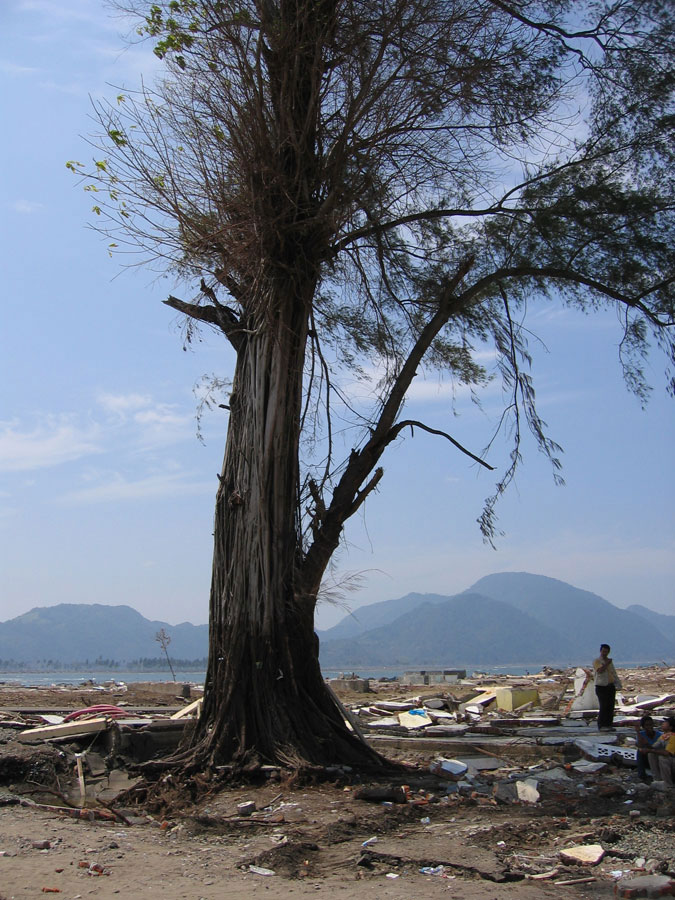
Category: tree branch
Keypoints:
(348, 496)
(220, 316)
(396, 430)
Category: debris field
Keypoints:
(507, 791)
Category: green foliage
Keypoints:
(426, 171)
(117, 137)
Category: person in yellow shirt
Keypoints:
(662, 754)
(606, 685)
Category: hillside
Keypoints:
(375, 615)
(467, 628)
(71, 632)
(665, 624)
(429, 629)
(581, 617)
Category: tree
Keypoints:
(164, 639)
(345, 184)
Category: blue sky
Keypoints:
(106, 493)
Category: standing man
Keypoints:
(606, 684)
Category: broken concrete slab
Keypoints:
(441, 716)
(654, 702)
(447, 730)
(482, 700)
(585, 699)
(397, 706)
(452, 768)
(583, 854)
(436, 849)
(480, 763)
(384, 722)
(433, 703)
(585, 767)
(415, 718)
(527, 790)
(596, 749)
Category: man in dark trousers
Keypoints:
(606, 684)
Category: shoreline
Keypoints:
(100, 677)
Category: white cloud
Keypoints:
(156, 423)
(121, 404)
(26, 207)
(13, 69)
(55, 442)
(126, 425)
(118, 489)
(159, 417)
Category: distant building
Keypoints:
(434, 676)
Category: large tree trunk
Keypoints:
(265, 699)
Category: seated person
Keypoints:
(647, 735)
(662, 754)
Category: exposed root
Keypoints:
(169, 788)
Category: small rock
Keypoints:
(260, 870)
(246, 808)
(41, 845)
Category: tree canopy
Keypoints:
(378, 186)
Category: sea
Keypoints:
(104, 678)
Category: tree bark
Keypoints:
(265, 698)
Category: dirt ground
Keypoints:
(466, 843)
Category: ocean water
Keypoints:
(104, 678)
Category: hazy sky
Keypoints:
(106, 493)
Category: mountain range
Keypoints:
(509, 618)
(506, 618)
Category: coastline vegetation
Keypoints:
(144, 664)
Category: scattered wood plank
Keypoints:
(193, 708)
(66, 730)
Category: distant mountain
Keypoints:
(665, 624)
(467, 628)
(72, 632)
(376, 614)
(507, 618)
(583, 618)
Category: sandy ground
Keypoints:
(319, 837)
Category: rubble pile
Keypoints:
(506, 780)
